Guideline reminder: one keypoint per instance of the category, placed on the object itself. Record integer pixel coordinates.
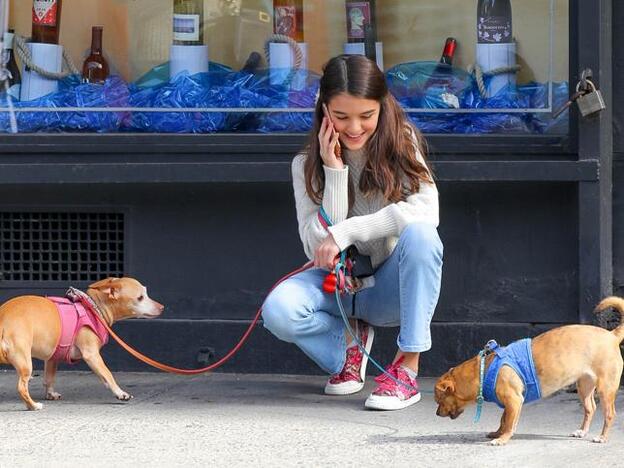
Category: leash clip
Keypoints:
(491, 346)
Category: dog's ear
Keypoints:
(445, 386)
(108, 286)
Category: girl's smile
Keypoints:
(354, 118)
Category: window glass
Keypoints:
(206, 66)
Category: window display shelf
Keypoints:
(252, 66)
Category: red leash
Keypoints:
(220, 362)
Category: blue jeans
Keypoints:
(405, 294)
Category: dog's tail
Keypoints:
(618, 304)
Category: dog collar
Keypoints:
(75, 294)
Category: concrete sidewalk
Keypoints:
(268, 420)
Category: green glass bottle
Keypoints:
(188, 22)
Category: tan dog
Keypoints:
(30, 327)
(587, 355)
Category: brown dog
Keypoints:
(587, 355)
(30, 326)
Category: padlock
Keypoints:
(591, 102)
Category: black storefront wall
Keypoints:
(210, 225)
(618, 149)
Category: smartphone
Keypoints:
(337, 148)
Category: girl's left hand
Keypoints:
(326, 253)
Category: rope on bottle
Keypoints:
(23, 52)
(298, 54)
(479, 74)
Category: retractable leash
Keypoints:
(340, 271)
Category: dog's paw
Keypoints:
(36, 407)
(498, 442)
(123, 396)
(493, 435)
(53, 396)
(600, 439)
(579, 434)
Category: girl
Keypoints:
(379, 195)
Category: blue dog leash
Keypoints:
(341, 270)
(490, 346)
(480, 399)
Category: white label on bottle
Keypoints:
(494, 29)
(8, 40)
(186, 27)
(44, 12)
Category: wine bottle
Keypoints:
(252, 63)
(442, 73)
(362, 25)
(288, 18)
(494, 21)
(46, 21)
(448, 53)
(9, 58)
(188, 22)
(496, 48)
(95, 68)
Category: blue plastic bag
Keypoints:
(72, 93)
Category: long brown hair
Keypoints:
(391, 167)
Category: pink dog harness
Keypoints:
(74, 316)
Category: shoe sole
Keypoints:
(351, 387)
(346, 388)
(386, 403)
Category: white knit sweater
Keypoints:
(372, 224)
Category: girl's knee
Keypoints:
(282, 315)
(275, 318)
(421, 240)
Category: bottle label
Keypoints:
(285, 20)
(8, 40)
(358, 16)
(494, 29)
(44, 12)
(186, 27)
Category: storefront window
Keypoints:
(207, 66)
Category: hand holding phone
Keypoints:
(331, 152)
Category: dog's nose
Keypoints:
(438, 412)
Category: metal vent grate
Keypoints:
(61, 246)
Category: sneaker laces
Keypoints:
(384, 382)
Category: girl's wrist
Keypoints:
(336, 165)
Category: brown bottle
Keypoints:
(95, 68)
(46, 21)
(11, 64)
(288, 18)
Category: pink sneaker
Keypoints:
(351, 378)
(389, 395)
